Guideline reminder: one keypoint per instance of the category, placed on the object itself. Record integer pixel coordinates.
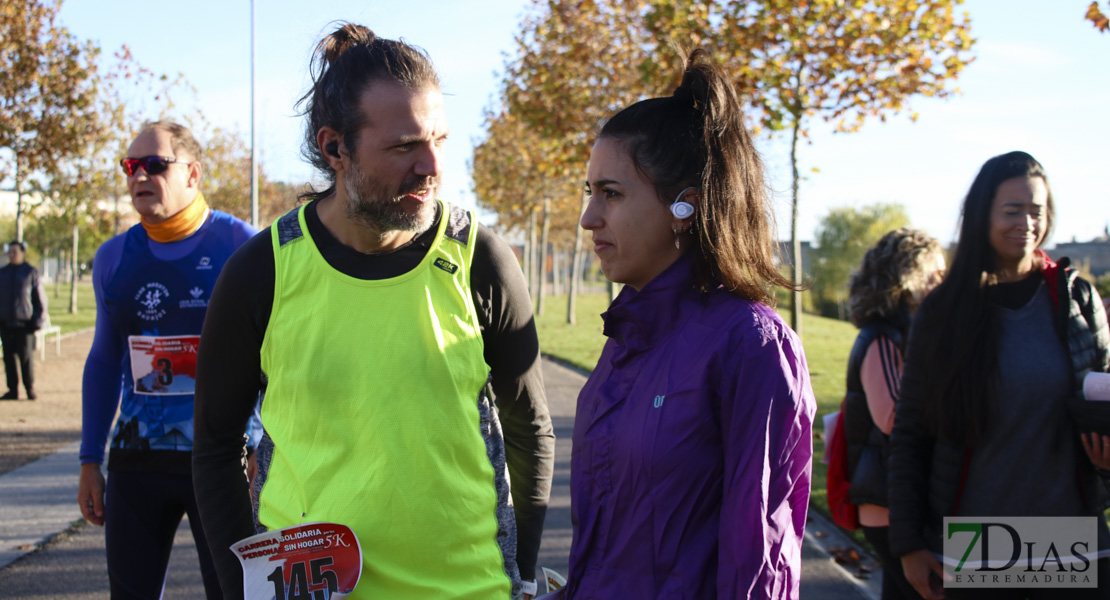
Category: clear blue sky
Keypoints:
(1041, 83)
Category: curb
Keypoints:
(868, 588)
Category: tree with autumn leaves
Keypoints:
(841, 61)
(47, 93)
(576, 63)
(1098, 18)
(67, 115)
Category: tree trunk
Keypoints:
(73, 271)
(572, 282)
(543, 255)
(532, 255)
(576, 267)
(18, 201)
(526, 256)
(796, 244)
(58, 275)
(556, 271)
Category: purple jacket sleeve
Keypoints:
(767, 411)
(100, 389)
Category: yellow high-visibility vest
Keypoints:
(378, 417)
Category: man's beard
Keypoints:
(370, 203)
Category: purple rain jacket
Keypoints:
(690, 470)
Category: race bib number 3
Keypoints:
(314, 561)
(164, 365)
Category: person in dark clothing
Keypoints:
(395, 339)
(995, 355)
(894, 277)
(22, 310)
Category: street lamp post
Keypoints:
(254, 134)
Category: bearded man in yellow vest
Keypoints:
(395, 340)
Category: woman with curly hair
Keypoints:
(892, 280)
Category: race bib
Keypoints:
(164, 365)
(317, 561)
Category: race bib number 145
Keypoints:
(314, 561)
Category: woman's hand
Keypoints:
(1098, 449)
(919, 567)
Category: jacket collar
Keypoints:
(642, 319)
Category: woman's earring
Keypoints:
(677, 232)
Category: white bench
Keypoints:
(40, 337)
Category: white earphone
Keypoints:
(682, 209)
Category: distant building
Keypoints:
(1092, 256)
(51, 264)
(122, 207)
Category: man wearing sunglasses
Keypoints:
(387, 323)
(152, 287)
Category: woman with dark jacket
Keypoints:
(996, 353)
(892, 280)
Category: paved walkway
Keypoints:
(47, 551)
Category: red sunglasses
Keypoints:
(153, 165)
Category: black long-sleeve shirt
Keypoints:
(229, 368)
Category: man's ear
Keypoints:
(330, 143)
(196, 169)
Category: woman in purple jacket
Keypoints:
(690, 473)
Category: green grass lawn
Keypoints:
(826, 343)
(58, 306)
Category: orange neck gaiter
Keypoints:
(181, 225)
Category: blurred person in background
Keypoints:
(22, 312)
(894, 277)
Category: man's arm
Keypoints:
(100, 388)
(38, 300)
(228, 382)
(513, 355)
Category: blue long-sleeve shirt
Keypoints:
(104, 375)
